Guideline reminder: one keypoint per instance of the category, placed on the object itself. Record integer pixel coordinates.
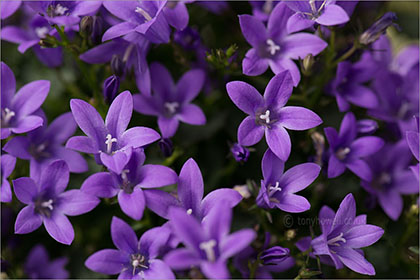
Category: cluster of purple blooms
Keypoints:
(197, 232)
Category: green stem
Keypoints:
(347, 54)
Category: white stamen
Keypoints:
(268, 6)
(127, 53)
(41, 32)
(272, 47)
(274, 189)
(189, 211)
(313, 6)
(47, 204)
(342, 153)
(7, 115)
(143, 13)
(207, 247)
(60, 10)
(108, 142)
(124, 175)
(266, 116)
(333, 241)
(171, 106)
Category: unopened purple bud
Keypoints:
(188, 38)
(97, 30)
(86, 26)
(166, 147)
(239, 152)
(111, 86)
(117, 65)
(378, 28)
(366, 126)
(275, 255)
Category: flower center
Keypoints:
(138, 261)
(189, 211)
(208, 248)
(171, 107)
(57, 10)
(342, 153)
(108, 142)
(41, 32)
(44, 207)
(334, 241)
(273, 190)
(266, 116)
(272, 47)
(39, 151)
(142, 12)
(6, 116)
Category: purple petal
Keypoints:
(236, 242)
(392, 203)
(190, 186)
(186, 228)
(55, 177)
(335, 167)
(119, 114)
(30, 97)
(277, 22)
(117, 161)
(100, 184)
(413, 143)
(298, 22)
(279, 142)
(139, 136)
(160, 201)
(249, 133)
(348, 128)
(76, 202)
(281, 64)
(155, 176)
(366, 146)
(332, 15)
(253, 30)
(132, 204)
(332, 136)
(298, 118)
(299, 45)
(107, 261)
(190, 85)
(59, 227)
(230, 196)
(178, 16)
(299, 177)
(5, 132)
(62, 128)
(19, 147)
(27, 220)
(217, 222)
(345, 214)
(363, 236)
(15, 35)
(27, 124)
(326, 218)
(8, 84)
(145, 105)
(8, 8)
(5, 191)
(76, 163)
(215, 270)
(355, 261)
(123, 236)
(361, 169)
(153, 240)
(293, 203)
(253, 64)
(82, 144)
(361, 96)
(158, 270)
(192, 114)
(25, 190)
(272, 167)
(162, 83)
(104, 52)
(406, 182)
(278, 90)
(245, 96)
(168, 126)
(182, 258)
(118, 30)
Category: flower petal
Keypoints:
(132, 204)
(99, 184)
(192, 114)
(355, 261)
(168, 126)
(25, 189)
(158, 270)
(118, 30)
(360, 168)
(27, 124)
(299, 177)
(30, 97)
(298, 22)
(332, 15)
(27, 220)
(155, 176)
(119, 114)
(299, 45)
(245, 96)
(363, 235)
(230, 196)
(249, 133)
(293, 203)
(76, 202)
(123, 236)
(190, 186)
(59, 227)
(107, 261)
(278, 90)
(182, 258)
(55, 177)
(253, 64)
(366, 146)
(298, 118)
(190, 85)
(8, 83)
(279, 142)
(335, 167)
(236, 242)
(139, 136)
(160, 201)
(253, 30)
(117, 161)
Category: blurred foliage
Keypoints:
(394, 256)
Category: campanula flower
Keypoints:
(131, 184)
(133, 258)
(8, 163)
(17, 109)
(39, 266)
(171, 102)
(48, 203)
(207, 245)
(268, 115)
(240, 153)
(310, 12)
(45, 144)
(111, 86)
(347, 151)
(110, 142)
(274, 46)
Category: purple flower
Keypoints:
(343, 234)
(17, 109)
(38, 265)
(413, 143)
(262, 9)
(278, 189)
(143, 17)
(45, 144)
(274, 46)
(366, 126)
(7, 165)
(347, 86)
(176, 13)
(209, 244)
(8, 8)
(132, 184)
(28, 38)
(48, 203)
(311, 12)
(111, 85)
(170, 102)
(111, 143)
(240, 153)
(268, 115)
(347, 152)
(133, 258)
(190, 195)
(378, 28)
(391, 177)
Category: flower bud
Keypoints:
(111, 86)
(117, 65)
(243, 190)
(86, 26)
(97, 30)
(366, 126)
(308, 62)
(275, 255)
(166, 147)
(239, 152)
(378, 28)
